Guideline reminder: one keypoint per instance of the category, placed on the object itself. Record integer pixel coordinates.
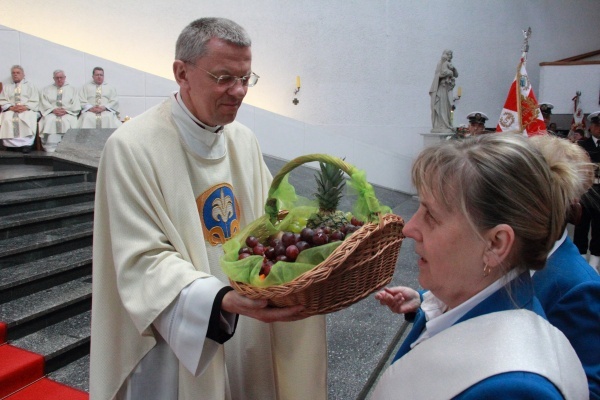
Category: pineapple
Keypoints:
(330, 183)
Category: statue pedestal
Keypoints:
(430, 138)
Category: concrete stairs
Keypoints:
(46, 223)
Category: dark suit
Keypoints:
(569, 291)
(509, 385)
(591, 209)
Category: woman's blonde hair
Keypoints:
(504, 179)
(570, 163)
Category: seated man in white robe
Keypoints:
(99, 102)
(60, 108)
(19, 101)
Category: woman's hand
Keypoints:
(235, 303)
(399, 299)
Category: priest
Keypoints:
(60, 108)
(19, 101)
(99, 102)
(173, 185)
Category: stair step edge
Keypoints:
(37, 305)
(58, 338)
(26, 218)
(54, 192)
(44, 268)
(38, 240)
(74, 374)
(43, 176)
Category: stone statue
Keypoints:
(441, 94)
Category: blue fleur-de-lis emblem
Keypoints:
(222, 207)
(219, 213)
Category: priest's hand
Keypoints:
(19, 108)
(234, 302)
(97, 109)
(59, 112)
(399, 299)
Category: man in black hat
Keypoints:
(591, 200)
(546, 109)
(477, 123)
(476, 126)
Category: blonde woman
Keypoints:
(490, 211)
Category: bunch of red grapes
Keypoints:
(286, 246)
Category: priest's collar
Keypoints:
(205, 141)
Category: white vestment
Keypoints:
(155, 236)
(52, 127)
(18, 129)
(91, 95)
(481, 347)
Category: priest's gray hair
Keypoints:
(192, 41)
(57, 71)
(17, 66)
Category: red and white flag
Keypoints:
(521, 112)
(578, 121)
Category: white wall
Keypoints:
(366, 66)
(561, 83)
(137, 90)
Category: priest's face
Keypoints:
(214, 103)
(98, 77)
(17, 75)
(59, 79)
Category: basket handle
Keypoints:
(271, 203)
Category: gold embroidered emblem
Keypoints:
(219, 213)
(530, 111)
(507, 119)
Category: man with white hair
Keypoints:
(60, 108)
(19, 101)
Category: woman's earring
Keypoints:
(486, 270)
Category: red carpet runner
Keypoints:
(18, 368)
(21, 378)
(2, 332)
(46, 389)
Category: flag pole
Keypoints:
(521, 113)
(525, 50)
(518, 94)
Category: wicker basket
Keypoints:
(362, 264)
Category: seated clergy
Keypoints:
(19, 101)
(99, 102)
(60, 108)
